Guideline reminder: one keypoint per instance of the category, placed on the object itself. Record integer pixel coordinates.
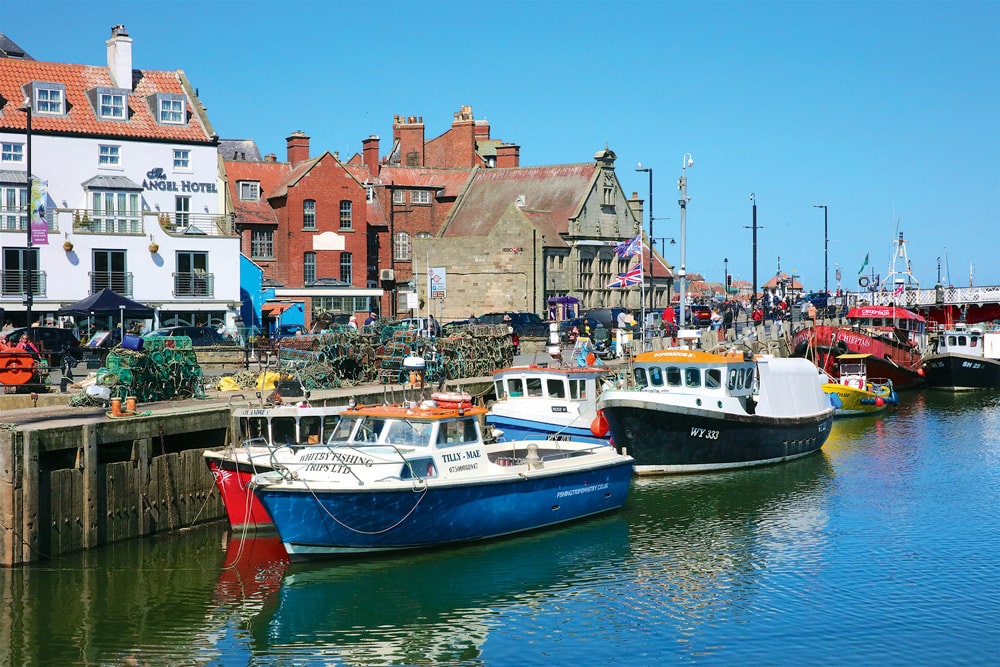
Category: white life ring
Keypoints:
(452, 399)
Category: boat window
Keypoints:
(309, 429)
(692, 377)
(735, 379)
(534, 386)
(556, 388)
(656, 376)
(370, 430)
(578, 389)
(713, 378)
(500, 388)
(961, 341)
(673, 376)
(330, 423)
(516, 386)
(640, 377)
(283, 430)
(457, 433)
(253, 427)
(409, 434)
(952, 340)
(341, 432)
(877, 322)
(973, 340)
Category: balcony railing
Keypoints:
(15, 283)
(116, 281)
(195, 283)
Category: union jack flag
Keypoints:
(629, 248)
(631, 277)
(898, 290)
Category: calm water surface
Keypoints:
(883, 549)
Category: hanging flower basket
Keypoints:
(67, 245)
(154, 248)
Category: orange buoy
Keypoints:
(599, 427)
(16, 368)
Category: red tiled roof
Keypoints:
(269, 174)
(452, 180)
(17, 75)
(558, 190)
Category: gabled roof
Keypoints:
(8, 49)
(81, 119)
(269, 175)
(782, 277)
(557, 190)
(239, 149)
(660, 268)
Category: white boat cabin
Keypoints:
(729, 374)
(971, 342)
(559, 384)
(286, 424)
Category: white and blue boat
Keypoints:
(553, 403)
(420, 475)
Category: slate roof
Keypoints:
(81, 119)
(8, 49)
(557, 190)
(239, 149)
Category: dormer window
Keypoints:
(170, 109)
(249, 190)
(111, 104)
(49, 98)
(420, 197)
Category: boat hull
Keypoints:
(243, 508)
(316, 523)
(897, 362)
(960, 372)
(664, 439)
(520, 428)
(852, 401)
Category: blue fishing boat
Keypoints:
(541, 402)
(420, 475)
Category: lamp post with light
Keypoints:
(29, 296)
(649, 170)
(753, 288)
(826, 249)
(687, 161)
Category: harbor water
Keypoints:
(882, 549)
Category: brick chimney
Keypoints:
(508, 155)
(409, 132)
(369, 152)
(120, 57)
(463, 144)
(482, 130)
(298, 147)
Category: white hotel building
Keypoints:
(132, 187)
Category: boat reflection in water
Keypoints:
(706, 546)
(431, 606)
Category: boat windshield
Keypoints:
(342, 432)
(457, 432)
(409, 433)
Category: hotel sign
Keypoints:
(156, 179)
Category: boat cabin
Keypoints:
(533, 382)
(286, 424)
(901, 323)
(722, 374)
(972, 342)
(852, 370)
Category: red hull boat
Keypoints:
(894, 337)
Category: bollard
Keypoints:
(130, 403)
(116, 407)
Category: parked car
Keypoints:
(523, 323)
(200, 336)
(608, 317)
(698, 315)
(53, 341)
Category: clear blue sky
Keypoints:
(887, 112)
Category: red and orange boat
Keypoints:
(894, 337)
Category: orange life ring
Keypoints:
(16, 368)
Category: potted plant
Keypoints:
(67, 245)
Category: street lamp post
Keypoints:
(753, 288)
(826, 249)
(29, 296)
(687, 161)
(649, 170)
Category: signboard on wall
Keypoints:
(437, 281)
